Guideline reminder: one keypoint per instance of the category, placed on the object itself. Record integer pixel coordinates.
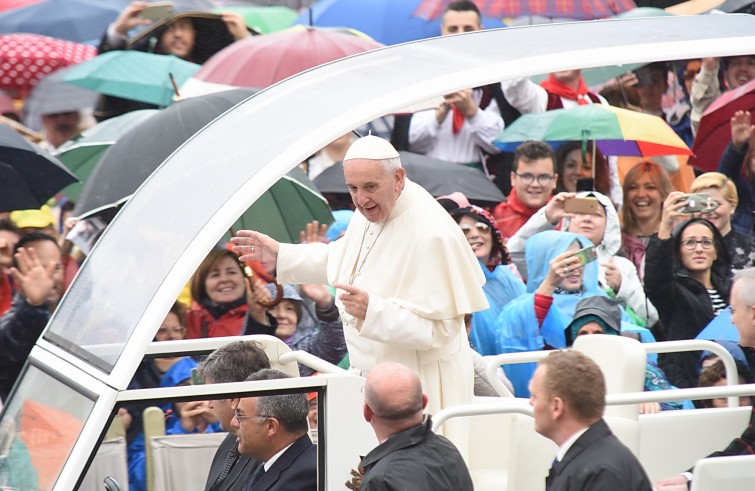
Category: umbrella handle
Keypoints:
(249, 274)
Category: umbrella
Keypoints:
(582, 10)
(128, 163)
(693, 7)
(714, 132)
(387, 21)
(617, 131)
(82, 153)
(26, 58)
(264, 60)
(737, 6)
(52, 96)
(49, 434)
(130, 74)
(29, 176)
(721, 327)
(600, 75)
(73, 20)
(438, 177)
(262, 19)
(211, 35)
(14, 4)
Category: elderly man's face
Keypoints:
(455, 22)
(742, 315)
(178, 38)
(373, 190)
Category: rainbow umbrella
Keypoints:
(617, 131)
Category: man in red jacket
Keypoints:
(533, 180)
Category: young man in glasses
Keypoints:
(533, 180)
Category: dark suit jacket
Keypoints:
(295, 470)
(240, 473)
(598, 461)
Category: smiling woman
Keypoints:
(502, 280)
(218, 290)
(688, 278)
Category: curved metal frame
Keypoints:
(156, 242)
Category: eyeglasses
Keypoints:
(691, 244)
(240, 417)
(528, 179)
(164, 331)
(481, 227)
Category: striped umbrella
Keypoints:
(570, 9)
(616, 131)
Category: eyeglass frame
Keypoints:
(260, 417)
(684, 243)
(532, 178)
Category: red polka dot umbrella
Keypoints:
(26, 58)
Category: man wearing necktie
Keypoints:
(272, 429)
(233, 362)
(568, 398)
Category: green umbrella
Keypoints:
(132, 74)
(83, 152)
(286, 209)
(265, 19)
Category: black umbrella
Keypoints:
(737, 6)
(211, 35)
(438, 177)
(29, 176)
(282, 212)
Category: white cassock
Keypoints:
(422, 277)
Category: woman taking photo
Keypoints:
(723, 194)
(688, 278)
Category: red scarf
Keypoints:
(458, 119)
(554, 86)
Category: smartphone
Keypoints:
(582, 206)
(698, 202)
(586, 255)
(585, 184)
(644, 77)
(157, 10)
(195, 379)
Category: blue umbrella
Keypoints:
(720, 327)
(81, 21)
(386, 21)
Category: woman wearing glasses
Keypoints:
(688, 278)
(724, 193)
(502, 281)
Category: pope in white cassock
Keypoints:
(406, 273)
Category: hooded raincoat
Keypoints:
(630, 292)
(519, 330)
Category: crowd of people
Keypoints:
(411, 294)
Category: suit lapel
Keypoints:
(284, 462)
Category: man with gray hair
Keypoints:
(233, 362)
(742, 306)
(272, 429)
(406, 277)
(410, 454)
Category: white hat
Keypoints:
(372, 148)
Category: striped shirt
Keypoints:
(716, 301)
